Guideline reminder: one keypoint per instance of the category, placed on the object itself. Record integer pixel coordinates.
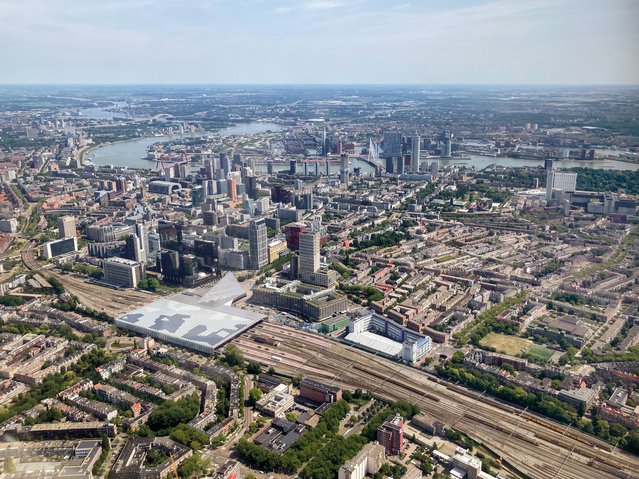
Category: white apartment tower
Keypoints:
(415, 151)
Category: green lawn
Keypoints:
(539, 353)
(506, 344)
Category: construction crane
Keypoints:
(174, 467)
(184, 157)
(160, 167)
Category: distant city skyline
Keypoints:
(320, 42)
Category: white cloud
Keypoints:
(325, 5)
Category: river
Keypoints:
(480, 162)
(131, 153)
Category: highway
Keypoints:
(543, 449)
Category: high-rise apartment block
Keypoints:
(391, 435)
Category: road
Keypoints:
(536, 450)
(248, 410)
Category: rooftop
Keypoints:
(203, 319)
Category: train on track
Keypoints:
(265, 340)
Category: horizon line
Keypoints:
(2, 84)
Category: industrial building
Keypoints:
(319, 393)
(201, 319)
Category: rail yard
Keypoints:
(539, 447)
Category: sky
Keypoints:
(320, 41)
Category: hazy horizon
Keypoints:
(320, 42)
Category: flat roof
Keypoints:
(203, 318)
(376, 342)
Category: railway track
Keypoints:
(536, 445)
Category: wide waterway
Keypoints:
(131, 153)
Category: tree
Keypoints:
(233, 356)
(581, 409)
(254, 367)
(297, 380)
(154, 284)
(194, 465)
(171, 413)
(106, 443)
(189, 436)
(255, 395)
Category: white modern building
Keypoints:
(123, 272)
(377, 333)
(560, 181)
(201, 319)
(368, 461)
(51, 249)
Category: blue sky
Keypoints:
(320, 41)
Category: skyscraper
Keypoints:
(415, 151)
(390, 161)
(392, 144)
(133, 249)
(224, 163)
(66, 227)
(434, 168)
(309, 253)
(325, 144)
(556, 180)
(142, 233)
(258, 244)
(292, 167)
(232, 185)
(447, 147)
(343, 168)
(548, 164)
(209, 168)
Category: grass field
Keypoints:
(539, 353)
(506, 344)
